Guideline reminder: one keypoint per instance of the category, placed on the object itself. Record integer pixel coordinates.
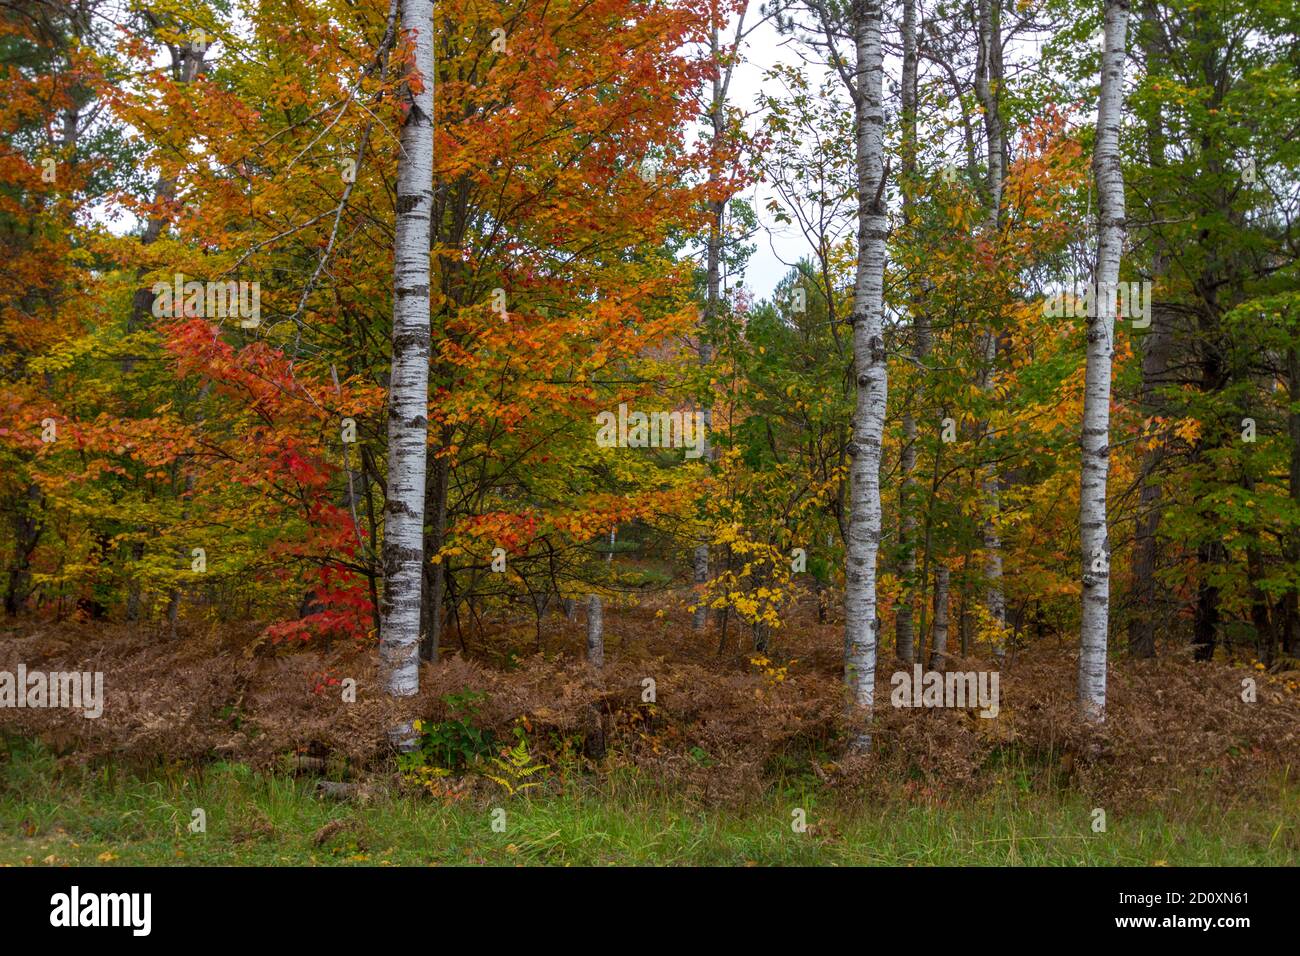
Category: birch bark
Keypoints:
(988, 82)
(870, 371)
(408, 394)
(595, 631)
(905, 630)
(1096, 403)
(939, 651)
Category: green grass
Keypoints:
(59, 815)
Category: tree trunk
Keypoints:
(595, 632)
(437, 572)
(1261, 618)
(408, 395)
(1291, 607)
(700, 617)
(861, 626)
(1096, 402)
(713, 285)
(988, 88)
(963, 621)
(27, 530)
(1205, 626)
(904, 629)
(939, 645)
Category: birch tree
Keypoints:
(869, 367)
(409, 378)
(870, 375)
(988, 84)
(939, 647)
(904, 626)
(1109, 176)
(595, 632)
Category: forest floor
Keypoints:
(678, 751)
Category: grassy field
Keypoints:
(51, 815)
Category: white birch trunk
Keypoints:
(988, 78)
(595, 632)
(861, 628)
(939, 645)
(408, 393)
(700, 576)
(905, 629)
(1096, 403)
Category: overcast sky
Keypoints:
(778, 245)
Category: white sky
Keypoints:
(779, 245)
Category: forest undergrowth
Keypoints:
(724, 727)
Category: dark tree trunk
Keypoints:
(1291, 602)
(435, 573)
(1205, 628)
(1260, 617)
(27, 534)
